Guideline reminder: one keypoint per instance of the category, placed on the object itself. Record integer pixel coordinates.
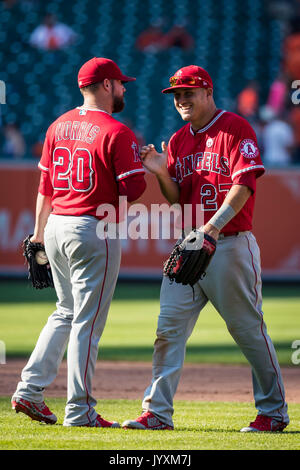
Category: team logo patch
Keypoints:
(136, 153)
(248, 148)
(209, 142)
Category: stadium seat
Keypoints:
(47, 82)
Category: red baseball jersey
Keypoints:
(208, 162)
(86, 153)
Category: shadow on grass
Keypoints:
(213, 353)
(194, 353)
(280, 291)
(20, 291)
(231, 431)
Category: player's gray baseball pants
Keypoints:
(85, 271)
(233, 285)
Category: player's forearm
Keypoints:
(233, 203)
(237, 197)
(168, 187)
(42, 212)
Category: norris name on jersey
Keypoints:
(76, 130)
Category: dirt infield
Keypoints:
(128, 380)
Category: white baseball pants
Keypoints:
(85, 270)
(233, 285)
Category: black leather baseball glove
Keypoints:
(39, 274)
(190, 258)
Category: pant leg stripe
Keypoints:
(261, 325)
(92, 329)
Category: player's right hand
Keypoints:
(154, 161)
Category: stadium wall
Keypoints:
(276, 224)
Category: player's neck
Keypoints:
(197, 124)
(90, 103)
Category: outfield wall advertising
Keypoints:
(276, 224)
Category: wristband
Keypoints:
(222, 216)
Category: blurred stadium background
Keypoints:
(251, 48)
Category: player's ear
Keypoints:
(164, 146)
(107, 84)
(209, 91)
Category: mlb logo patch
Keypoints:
(82, 112)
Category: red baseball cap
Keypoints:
(191, 76)
(97, 69)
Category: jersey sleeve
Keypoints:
(244, 153)
(247, 179)
(126, 155)
(44, 163)
(171, 163)
(45, 185)
(132, 187)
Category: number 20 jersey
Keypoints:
(86, 154)
(208, 162)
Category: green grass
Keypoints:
(198, 425)
(131, 324)
(129, 335)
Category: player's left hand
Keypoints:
(35, 239)
(39, 274)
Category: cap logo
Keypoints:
(189, 77)
(248, 148)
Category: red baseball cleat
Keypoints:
(146, 421)
(265, 424)
(36, 411)
(102, 423)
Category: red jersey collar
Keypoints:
(218, 114)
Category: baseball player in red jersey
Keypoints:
(88, 159)
(212, 163)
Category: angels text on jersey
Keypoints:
(201, 161)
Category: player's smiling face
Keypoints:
(192, 104)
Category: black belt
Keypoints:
(229, 234)
(221, 235)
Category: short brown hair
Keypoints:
(90, 88)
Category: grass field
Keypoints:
(129, 335)
(131, 324)
(198, 426)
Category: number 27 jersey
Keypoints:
(208, 162)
